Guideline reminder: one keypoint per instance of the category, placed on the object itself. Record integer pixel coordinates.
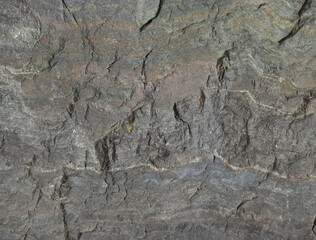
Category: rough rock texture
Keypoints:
(158, 119)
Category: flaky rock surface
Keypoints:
(158, 119)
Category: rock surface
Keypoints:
(148, 119)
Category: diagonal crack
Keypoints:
(72, 15)
(149, 22)
(198, 189)
(66, 230)
(180, 119)
(261, 5)
(244, 201)
(143, 70)
(102, 152)
(2, 142)
(294, 30)
(201, 186)
(25, 235)
(306, 5)
(62, 205)
(116, 58)
(222, 67)
(202, 100)
(40, 194)
(52, 60)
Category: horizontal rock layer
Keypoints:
(158, 119)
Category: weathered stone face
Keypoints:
(157, 119)
(146, 11)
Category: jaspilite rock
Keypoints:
(158, 119)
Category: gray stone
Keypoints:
(147, 10)
(183, 119)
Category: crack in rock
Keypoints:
(222, 66)
(244, 201)
(306, 5)
(147, 11)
